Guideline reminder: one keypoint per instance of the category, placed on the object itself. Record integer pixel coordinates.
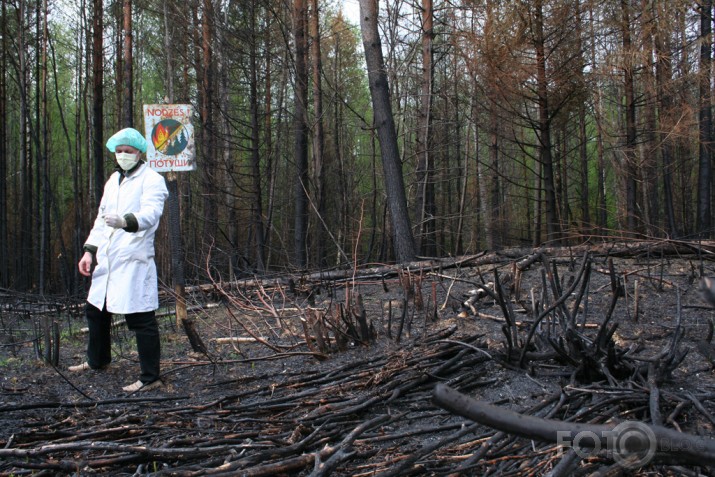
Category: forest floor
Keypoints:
(341, 407)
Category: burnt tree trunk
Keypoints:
(300, 122)
(705, 121)
(385, 124)
(128, 65)
(97, 100)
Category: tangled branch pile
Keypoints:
(365, 413)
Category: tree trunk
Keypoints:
(128, 73)
(601, 210)
(544, 131)
(168, 53)
(488, 173)
(23, 249)
(318, 136)
(339, 158)
(43, 162)
(629, 149)
(653, 218)
(663, 71)
(118, 13)
(464, 172)
(583, 159)
(387, 136)
(268, 169)
(257, 206)
(424, 181)
(490, 183)
(300, 238)
(583, 138)
(207, 127)
(705, 121)
(4, 245)
(562, 182)
(97, 100)
(83, 184)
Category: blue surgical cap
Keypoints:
(127, 137)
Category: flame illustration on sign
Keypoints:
(169, 137)
(160, 137)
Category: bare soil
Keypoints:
(282, 408)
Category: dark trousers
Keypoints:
(146, 330)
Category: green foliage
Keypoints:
(8, 361)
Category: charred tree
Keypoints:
(705, 122)
(424, 177)
(629, 149)
(318, 133)
(663, 72)
(206, 99)
(4, 244)
(544, 127)
(97, 100)
(300, 127)
(257, 206)
(128, 65)
(384, 121)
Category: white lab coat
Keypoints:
(125, 273)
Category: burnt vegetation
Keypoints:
(470, 366)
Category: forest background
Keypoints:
(434, 128)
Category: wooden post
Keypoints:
(177, 266)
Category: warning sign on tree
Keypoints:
(170, 137)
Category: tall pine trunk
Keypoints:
(208, 133)
(424, 180)
(257, 206)
(489, 172)
(601, 210)
(128, 64)
(652, 216)
(629, 148)
(318, 135)
(43, 175)
(4, 245)
(97, 100)
(583, 138)
(705, 122)
(544, 130)
(663, 72)
(402, 239)
(24, 249)
(300, 128)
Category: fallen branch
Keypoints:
(680, 447)
(342, 452)
(237, 339)
(79, 404)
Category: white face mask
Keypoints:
(127, 161)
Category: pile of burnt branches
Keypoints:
(349, 419)
(557, 329)
(372, 416)
(609, 392)
(398, 412)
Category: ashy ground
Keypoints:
(261, 401)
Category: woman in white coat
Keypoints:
(121, 243)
